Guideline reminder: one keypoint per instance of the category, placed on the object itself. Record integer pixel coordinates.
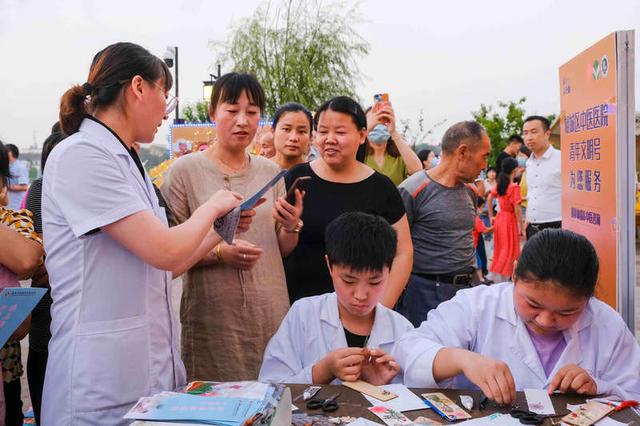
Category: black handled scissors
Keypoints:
(530, 418)
(328, 405)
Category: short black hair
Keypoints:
(561, 256)
(544, 120)
(49, 143)
(515, 138)
(360, 241)
(490, 168)
(525, 150)
(459, 132)
(480, 202)
(292, 107)
(13, 150)
(56, 127)
(424, 154)
(230, 86)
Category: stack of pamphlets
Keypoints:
(224, 404)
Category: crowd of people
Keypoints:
(366, 261)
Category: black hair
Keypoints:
(424, 154)
(544, 120)
(5, 172)
(515, 138)
(360, 241)
(230, 87)
(480, 202)
(460, 132)
(56, 127)
(525, 150)
(490, 168)
(508, 165)
(111, 69)
(292, 107)
(344, 105)
(15, 152)
(561, 256)
(48, 145)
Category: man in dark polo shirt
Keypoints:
(440, 205)
(511, 150)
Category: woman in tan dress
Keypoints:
(234, 300)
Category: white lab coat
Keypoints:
(483, 320)
(312, 329)
(114, 337)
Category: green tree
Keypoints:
(301, 50)
(501, 123)
(197, 112)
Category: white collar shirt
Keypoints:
(544, 189)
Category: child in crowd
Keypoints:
(478, 242)
(346, 335)
(544, 330)
(508, 222)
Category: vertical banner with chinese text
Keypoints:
(591, 158)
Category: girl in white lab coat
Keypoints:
(546, 330)
(346, 335)
(109, 249)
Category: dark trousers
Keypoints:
(13, 403)
(36, 367)
(422, 295)
(481, 256)
(534, 228)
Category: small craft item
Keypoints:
(328, 405)
(467, 402)
(445, 407)
(390, 417)
(308, 393)
(371, 390)
(538, 401)
(587, 414)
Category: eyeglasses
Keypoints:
(172, 101)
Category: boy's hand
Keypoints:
(493, 377)
(344, 364)
(572, 378)
(379, 367)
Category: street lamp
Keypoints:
(207, 85)
(171, 57)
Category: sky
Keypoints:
(444, 58)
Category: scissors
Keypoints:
(530, 418)
(328, 405)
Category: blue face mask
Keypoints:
(435, 161)
(522, 162)
(379, 135)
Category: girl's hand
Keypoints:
(493, 377)
(344, 364)
(572, 378)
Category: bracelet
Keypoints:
(296, 229)
(218, 252)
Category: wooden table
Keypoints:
(353, 404)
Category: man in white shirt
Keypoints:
(544, 191)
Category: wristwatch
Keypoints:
(296, 229)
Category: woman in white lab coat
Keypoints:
(109, 250)
(546, 330)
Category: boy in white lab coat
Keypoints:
(346, 335)
(544, 331)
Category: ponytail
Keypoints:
(508, 165)
(111, 69)
(73, 109)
